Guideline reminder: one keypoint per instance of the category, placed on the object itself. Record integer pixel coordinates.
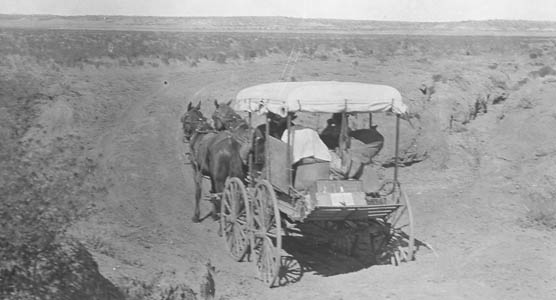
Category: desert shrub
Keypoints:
(139, 290)
(249, 54)
(437, 77)
(499, 98)
(526, 103)
(221, 58)
(536, 53)
(309, 50)
(274, 50)
(348, 50)
(497, 82)
(541, 204)
(543, 71)
(431, 90)
(522, 82)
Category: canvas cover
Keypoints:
(319, 96)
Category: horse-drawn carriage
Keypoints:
(281, 194)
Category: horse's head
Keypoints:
(225, 117)
(193, 120)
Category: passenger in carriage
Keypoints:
(306, 143)
(362, 145)
(310, 156)
(331, 134)
(369, 139)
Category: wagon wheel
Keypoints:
(267, 239)
(401, 240)
(233, 220)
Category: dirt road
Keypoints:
(142, 230)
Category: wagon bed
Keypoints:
(342, 213)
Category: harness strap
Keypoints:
(205, 131)
(193, 153)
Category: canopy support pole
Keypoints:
(290, 167)
(396, 152)
(343, 133)
(267, 147)
(370, 120)
(250, 157)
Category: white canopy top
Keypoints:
(319, 96)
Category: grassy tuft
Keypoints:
(541, 204)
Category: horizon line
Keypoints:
(259, 16)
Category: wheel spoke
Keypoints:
(266, 229)
(227, 207)
(400, 241)
(234, 218)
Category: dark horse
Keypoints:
(213, 154)
(226, 118)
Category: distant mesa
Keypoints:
(278, 24)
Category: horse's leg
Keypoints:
(198, 191)
(219, 172)
(218, 185)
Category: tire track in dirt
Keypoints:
(151, 200)
(147, 218)
(150, 195)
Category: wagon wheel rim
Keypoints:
(266, 232)
(401, 244)
(290, 271)
(233, 220)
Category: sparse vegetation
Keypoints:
(44, 186)
(438, 78)
(526, 103)
(136, 48)
(541, 203)
(543, 72)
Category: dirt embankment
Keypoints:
(482, 123)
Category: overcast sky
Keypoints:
(401, 10)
